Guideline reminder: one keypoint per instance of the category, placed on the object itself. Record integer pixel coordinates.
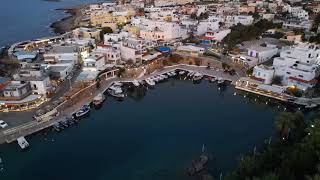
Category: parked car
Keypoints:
(3, 124)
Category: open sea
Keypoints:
(30, 19)
(155, 136)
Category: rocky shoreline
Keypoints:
(67, 23)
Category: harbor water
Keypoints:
(155, 135)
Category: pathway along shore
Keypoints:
(87, 94)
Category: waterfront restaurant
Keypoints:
(28, 103)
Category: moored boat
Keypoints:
(197, 77)
(136, 83)
(83, 111)
(23, 143)
(116, 92)
(150, 82)
(98, 100)
(221, 81)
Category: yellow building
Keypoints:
(120, 19)
(87, 33)
(132, 29)
(99, 17)
(111, 24)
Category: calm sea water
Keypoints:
(154, 137)
(29, 19)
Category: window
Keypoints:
(288, 72)
(301, 76)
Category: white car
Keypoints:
(3, 124)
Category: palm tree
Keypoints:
(315, 177)
(284, 123)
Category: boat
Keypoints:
(116, 92)
(56, 127)
(64, 123)
(117, 84)
(197, 77)
(221, 81)
(182, 72)
(165, 76)
(310, 106)
(169, 74)
(154, 79)
(83, 111)
(136, 83)
(161, 78)
(98, 100)
(150, 82)
(213, 79)
(23, 143)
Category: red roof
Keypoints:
(302, 80)
(206, 38)
(103, 45)
(257, 79)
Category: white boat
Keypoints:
(116, 89)
(182, 72)
(165, 76)
(150, 82)
(136, 83)
(23, 143)
(173, 73)
(160, 77)
(220, 81)
(155, 79)
(191, 74)
(117, 84)
(85, 109)
(213, 79)
(169, 74)
(197, 76)
(98, 100)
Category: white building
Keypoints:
(298, 66)
(238, 19)
(191, 49)
(297, 24)
(263, 73)
(95, 62)
(298, 12)
(262, 52)
(131, 49)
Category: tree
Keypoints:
(105, 30)
(277, 80)
(284, 123)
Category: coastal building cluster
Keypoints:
(271, 45)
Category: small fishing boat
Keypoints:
(118, 84)
(160, 77)
(150, 82)
(98, 100)
(83, 111)
(182, 72)
(213, 79)
(197, 77)
(116, 92)
(57, 127)
(64, 123)
(23, 143)
(221, 81)
(136, 83)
